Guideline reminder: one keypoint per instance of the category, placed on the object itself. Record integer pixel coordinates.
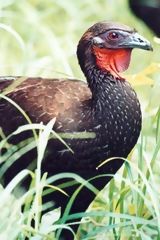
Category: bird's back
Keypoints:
(42, 99)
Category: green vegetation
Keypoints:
(39, 38)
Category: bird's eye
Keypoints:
(113, 36)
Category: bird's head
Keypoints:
(109, 46)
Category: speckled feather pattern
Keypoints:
(113, 115)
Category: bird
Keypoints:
(148, 12)
(105, 109)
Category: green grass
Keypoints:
(39, 38)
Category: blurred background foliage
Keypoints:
(39, 38)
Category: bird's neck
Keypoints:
(111, 96)
(106, 89)
(100, 82)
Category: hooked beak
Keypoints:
(135, 40)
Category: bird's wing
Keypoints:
(42, 99)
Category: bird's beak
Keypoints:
(135, 40)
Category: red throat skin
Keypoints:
(113, 60)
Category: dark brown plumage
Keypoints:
(107, 107)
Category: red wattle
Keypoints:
(122, 60)
(113, 60)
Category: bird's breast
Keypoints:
(111, 129)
